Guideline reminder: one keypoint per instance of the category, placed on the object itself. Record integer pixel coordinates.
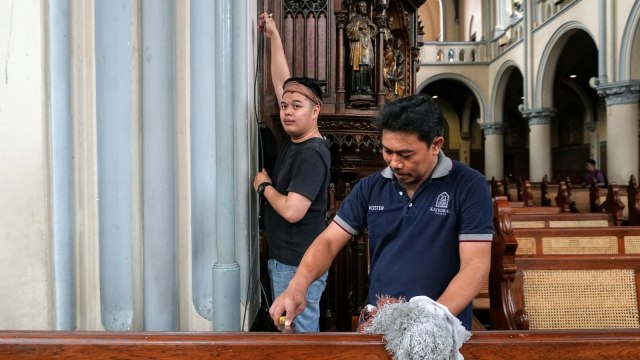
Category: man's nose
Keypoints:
(395, 162)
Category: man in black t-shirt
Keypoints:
(296, 190)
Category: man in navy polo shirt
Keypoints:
(429, 220)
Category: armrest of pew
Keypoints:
(494, 345)
(505, 310)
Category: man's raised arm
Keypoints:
(279, 67)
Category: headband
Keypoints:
(294, 86)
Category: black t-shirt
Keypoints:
(302, 168)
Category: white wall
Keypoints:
(25, 302)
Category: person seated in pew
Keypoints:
(591, 172)
(429, 220)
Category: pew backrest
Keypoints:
(618, 240)
(561, 290)
(560, 220)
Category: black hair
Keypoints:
(417, 114)
(592, 162)
(311, 83)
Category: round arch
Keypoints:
(630, 47)
(473, 87)
(543, 93)
(499, 88)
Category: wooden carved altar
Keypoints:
(364, 53)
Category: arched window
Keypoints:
(452, 55)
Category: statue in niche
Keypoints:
(394, 68)
(361, 32)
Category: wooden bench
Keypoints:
(533, 210)
(560, 291)
(618, 240)
(543, 217)
(508, 345)
(559, 220)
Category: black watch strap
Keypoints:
(263, 186)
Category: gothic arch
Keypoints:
(543, 93)
(630, 47)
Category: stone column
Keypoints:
(622, 129)
(539, 142)
(61, 163)
(117, 108)
(159, 188)
(594, 141)
(494, 150)
(500, 18)
(464, 154)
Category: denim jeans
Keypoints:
(280, 275)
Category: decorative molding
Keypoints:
(357, 141)
(305, 6)
(382, 22)
(627, 92)
(493, 128)
(346, 125)
(341, 19)
(541, 116)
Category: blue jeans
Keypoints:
(280, 275)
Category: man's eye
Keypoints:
(296, 107)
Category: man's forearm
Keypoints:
(279, 67)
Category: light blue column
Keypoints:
(529, 8)
(246, 225)
(159, 166)
(226, 271)
(203, 151)
(114, 110)
(602, 39)
(61, 164)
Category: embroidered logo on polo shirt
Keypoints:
(442, 205)
(376, 207)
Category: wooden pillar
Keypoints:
(341, 20)
(382, 22)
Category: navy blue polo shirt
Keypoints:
(413, 243)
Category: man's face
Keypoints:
(411, 160)
(589, 166)
(298, 114)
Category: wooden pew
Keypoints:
(619, 240)
(539, 210)
(559, 220)
(563, 291)
(527, 217)
(490, 345)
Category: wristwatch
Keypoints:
(263, 186)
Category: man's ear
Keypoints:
(438, 142)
